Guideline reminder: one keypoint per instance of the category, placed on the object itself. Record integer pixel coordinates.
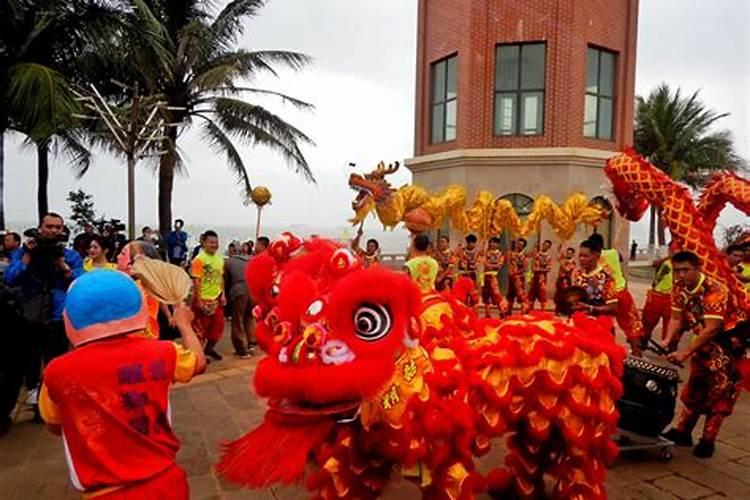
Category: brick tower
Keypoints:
(524, 97)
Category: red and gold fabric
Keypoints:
(540, 270)
(111, 399)
(468, 261)
(565, 273)
(517, 264)
(599, 285)
(447, 262)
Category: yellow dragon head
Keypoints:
(372, 190)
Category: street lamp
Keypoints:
(134, 130)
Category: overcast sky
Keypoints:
(362, 84)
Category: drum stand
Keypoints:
(629, 441)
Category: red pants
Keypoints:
(516, 290)
(628, 317)
(491, 295)
(171, 483)
(209, 327)
(538, 289)
(658, 306)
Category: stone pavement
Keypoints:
(219, 406)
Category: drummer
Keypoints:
(704, 306)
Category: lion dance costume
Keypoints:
(364, 376)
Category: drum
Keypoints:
(647, 404)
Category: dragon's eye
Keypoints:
(372, 321)
(315, 309)
(275, 291)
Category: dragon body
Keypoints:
(637, 184)
(365, 376)
(722, 189)
(487, 215)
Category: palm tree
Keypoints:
(52, 46)
(205, 83)
(675, 133)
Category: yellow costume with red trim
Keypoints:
(365, 376)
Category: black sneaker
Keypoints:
(704, 449)
(678, 437)
(212, 353)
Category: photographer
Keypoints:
(42, 272)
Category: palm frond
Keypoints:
(248, 64)
(257, 125)
(675, 132)
(71, 142)
(228, 23)
(221, 143)
(40, 99)
(234, 91)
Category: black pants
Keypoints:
(14, 358)
(47, 341)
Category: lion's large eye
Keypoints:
(372, 321)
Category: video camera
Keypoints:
(44, 252)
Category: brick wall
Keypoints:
(472, 29)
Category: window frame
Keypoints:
(598, 95)
(519, 92)
(444, 101)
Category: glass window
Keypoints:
(519, 89)
(505, 110)
(444, 100)
(598, 119)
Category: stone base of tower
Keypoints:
(555, 172)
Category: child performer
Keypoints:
(109, 396)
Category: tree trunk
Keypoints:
(2, 179)
(166, 181)
(652, 227)
(131, 197)
(661, 233)
(42, 152)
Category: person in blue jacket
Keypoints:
(41, 272)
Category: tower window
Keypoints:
(519, 89)
(444, 99)
(598, 117)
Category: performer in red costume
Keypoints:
(110, 396)
(705, 307)
(469, 258)
(447, 262)
(542, 265)
(494, 261)
(658, 305)
(566, 267)
(627, 315)
(518, 261)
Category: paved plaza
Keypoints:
(219, 406)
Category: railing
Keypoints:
(393, 260)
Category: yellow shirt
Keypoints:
(745, 266)
(611, 260)
(423, 270)
(210, 270)
(663, 279)
(88, 265)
